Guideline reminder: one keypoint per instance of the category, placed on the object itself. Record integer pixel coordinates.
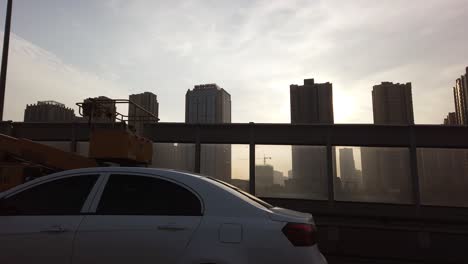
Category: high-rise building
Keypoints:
(210, 104)
(264, 179)
(443, 176)
(136, 117)
(460, 94)
(278, 177)
(311, 103)
(348, 173)
(451, 119)
(207, 104)
(48, 111)
(392, 103)
(385, 171)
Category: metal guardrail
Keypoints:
(349, 232)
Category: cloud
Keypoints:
(36, 74)
(256, 49)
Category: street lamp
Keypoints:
(6, 45)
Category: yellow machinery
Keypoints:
(120, 146)
(20, 156)
(21, 159)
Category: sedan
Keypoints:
(143, 215)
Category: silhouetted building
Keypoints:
(48, 111)
(278, 178)
(386, 174)
(173, 156)
(207, 104)
(137, 117)
(451, 119)
(443, 176)
(385, 171)
(241, 184)
(264, 179)
(349, 177)
(460, 93)
(210, 104)
(311, 103)
(392, 103)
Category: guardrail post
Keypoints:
(330, 172)
(414, 169)
(73, 142)
(197, 150)
(252, 158)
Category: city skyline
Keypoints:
(73, 50)
(391, 98)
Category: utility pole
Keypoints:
(6, 46)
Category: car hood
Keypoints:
(287, 215)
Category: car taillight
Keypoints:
(300, 235)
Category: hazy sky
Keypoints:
(68, 50)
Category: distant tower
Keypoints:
(392, 103)
(451, 119)
(311, 103)
(48, 111)
(265, 178)
(207, 104)
(137, 118)
(385, 171)
(460, 94)
(210, 104)
(349, 178)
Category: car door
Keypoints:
(38, 223)
(138, 218)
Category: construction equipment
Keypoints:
(23, 159)
(20, 156)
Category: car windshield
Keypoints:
(245, 194)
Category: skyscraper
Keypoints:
(210, 104)
(48, 111)
(137, 118)
(460, 94)
(385, 171)
(311, 103)
(265, 178)
(451, 119)
(348, 174)
(392, 103)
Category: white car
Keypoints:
(142, 215)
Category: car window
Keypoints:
(64, 196)
(243, 193)
(142, 195)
